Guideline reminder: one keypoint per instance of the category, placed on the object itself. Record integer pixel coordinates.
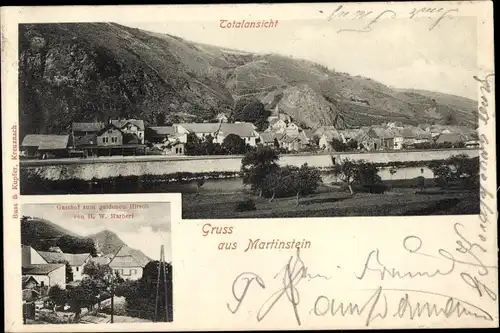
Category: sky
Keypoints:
(399, 52)
(146, 231)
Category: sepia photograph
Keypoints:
(252, 125)
(96, 263)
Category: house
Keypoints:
(157, 134)
(365, 142)
(201, 130)
(322, 129)
(31, 256)
(383, 138)
(45, 145)
(292, 142)
(109, 136)
(109, 140)
(449, 138)
(309, 135)
(267, 139)
(246, 131)
(221, 118)
(327, 137)
(218, 131)
(472, 144)
(29, 286)
(103, 260)
(29, 282)
(403, 136)
(47, 275)
(128, 264)
(131, 126)
(76, 261)
(79, 130)
(277, 125)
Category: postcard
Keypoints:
(302, 166)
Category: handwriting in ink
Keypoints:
(481, 288)
(324, 305)
(248, 278)
(467, 247)
(373, 262)
(368, 27)
(374, 308)
(485, 91)
(294, 271)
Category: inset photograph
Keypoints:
(96, 263)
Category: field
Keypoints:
(334, 202)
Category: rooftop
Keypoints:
(88, 127)
(40, 269)
(163, 130)
(121, 123)
(73, 259)
(46, 141)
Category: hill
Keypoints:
(34, 229)
(109, 243)
(93, 71)
(43, 234)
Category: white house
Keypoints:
(277, 125)
(217, 130)
(246, 131)
(46, 274)
(327, 137)
(200, 129)
(128, 264)
(76, 261)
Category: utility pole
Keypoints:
(161, 265)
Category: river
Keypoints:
(231, 185)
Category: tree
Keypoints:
(57, 295)
(160, 119)
(71, 244)
(97, 271)
(85, 295)
(192, 144)
(307, 180)
(256, 164)
(253, 111)
(234, 144)
(276, 143)
(338, 145)
(352, 144)
(359, 172)
(290, 180)
(459, 169)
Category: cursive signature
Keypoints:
(411, 244)
(436, 14)
(378, 306)
(291, 274)
(485, 90)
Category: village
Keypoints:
(59, 287)
(129, 137)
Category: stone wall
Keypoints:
(111, 167)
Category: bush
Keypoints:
(245, 205)
(458, 169)
(290, 180)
